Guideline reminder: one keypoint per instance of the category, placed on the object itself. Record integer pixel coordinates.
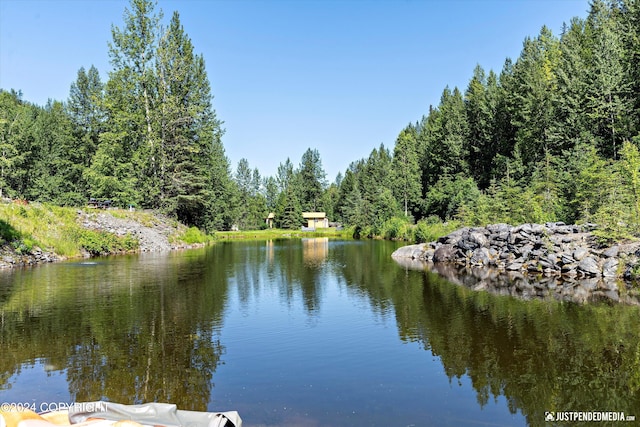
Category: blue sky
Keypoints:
(338, 76)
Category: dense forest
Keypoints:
(553, 137)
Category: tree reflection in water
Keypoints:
(541, 355)
(114, 340)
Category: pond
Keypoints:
(307, 332)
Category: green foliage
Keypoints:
(397, 228)
(98, 242)
(430, 229)
(449, 193)
(250, 202)
(312, 181)
(23, 246)
(618, 217)
(7, 232)
(194, 235)
(630, 165)
(406, 171)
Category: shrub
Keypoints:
(102, 242)
(23, 246)
(397, 228)
(429, 231)
(7, 232)
(195, 235)
(422, 232)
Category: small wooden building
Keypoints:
(269, 219)
(316, 219)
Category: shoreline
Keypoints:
(152, 233)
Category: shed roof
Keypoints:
(314, 215)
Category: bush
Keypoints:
(102, 242)
(23, 246)
(7, 232)
(422, 232)
(195, 235)
(429, 231)
(360, 232)
(397, 228)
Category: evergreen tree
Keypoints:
(630, 167)
(188, 127)
(608, 94)
(589, 183)
(406, 173)
(271, 192)
(312, 181)
(571, 123)
(220, 213)
(284, 175)
(288, 209)
(630, 31)
(481, 102)
(124, 167)
(85, 109)
(533, 103)
(343, 209)
(17, 149)
(244, 186)
(445, 147)
(329, 201)
(58, 169)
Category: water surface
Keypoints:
(307, 332)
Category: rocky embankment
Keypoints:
(532, 260)
(152, 236)
(10, 257)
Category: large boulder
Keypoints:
(445, 253)
(411, 251)
(589, 266)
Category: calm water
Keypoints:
(307, 333)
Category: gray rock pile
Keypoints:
(553, 250)
(9, 258)
(152, 238)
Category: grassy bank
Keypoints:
(55, 229)
(60, 230)
(274, 233)
(397, 228)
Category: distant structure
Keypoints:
(269, 219)
(99, 203)
(316, 219)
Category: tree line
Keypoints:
(553, 136)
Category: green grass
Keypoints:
(51, 228)
(191, 235)
(276, 233)
(56, 229)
